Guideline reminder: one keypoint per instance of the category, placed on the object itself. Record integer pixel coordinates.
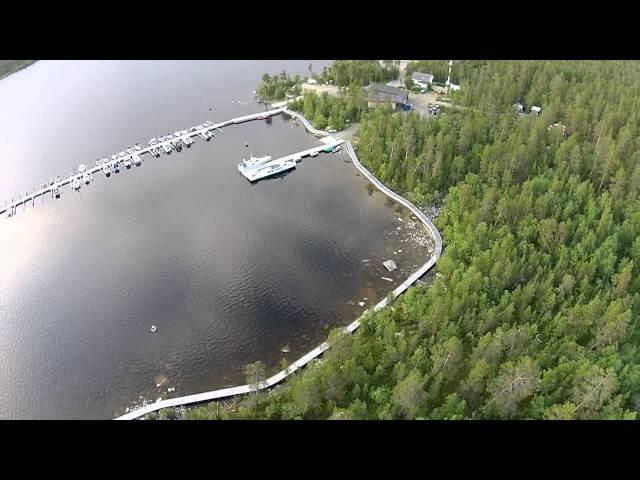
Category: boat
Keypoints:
(166, 148)
(58, 178)
(106, 170)
(122, 154)
(76, 184)
(116, 167)
(337, 149)
(86, 178)
(127, 163)
(130, 150)
(187, 141)
(154, 329)
(114, 157)
(176, 134)
(137, 147)
(254, 162)
(56, 192)
(98, 162)
(274, 168)
(136, 159)
(82, 168)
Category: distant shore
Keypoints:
(7, 67)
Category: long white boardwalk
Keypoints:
(302, 361)
(202, 132)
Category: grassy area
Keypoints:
(7, 67)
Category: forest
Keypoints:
(358, 72)
(335, 112)
(535, 311)
(276, 87)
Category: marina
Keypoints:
(167, 143)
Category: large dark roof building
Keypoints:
(380, 94)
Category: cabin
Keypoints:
(535, 110)
(422, 80)
(383, 95)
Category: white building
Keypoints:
(422, 80)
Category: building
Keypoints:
(535, 110)
(381, 95)
(422, 80)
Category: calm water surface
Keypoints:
(229, 272)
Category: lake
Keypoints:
(229, 272)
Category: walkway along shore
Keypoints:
(302, 361)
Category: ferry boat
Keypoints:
(106, 170)
(76, 184)
(254, 162)
(268, 170)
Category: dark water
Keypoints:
(228, 271)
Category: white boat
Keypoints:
(86, 178)
(136, 159)
(127, 163)
(154, 329)
(76, 184)
(106, 170)
(114, 157)
(268, 170)
(255, 162)
(82, 168)
(166, 148)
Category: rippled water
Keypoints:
(229, 272)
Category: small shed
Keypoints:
(535, 110)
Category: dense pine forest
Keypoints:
(535, 312)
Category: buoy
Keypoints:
(154, 329)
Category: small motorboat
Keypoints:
(82, 168)
(58, 178)
(114, 157)
(122, 154)
(86, 178)
(106, 170)
(98, 163)
(76, 184)
(56, 192)
(130, 151)
(127, 163)
(154, 329)
(137, 147)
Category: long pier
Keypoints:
(302, 361)
(203, 132)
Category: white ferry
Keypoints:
(273, 168)
(254, 162)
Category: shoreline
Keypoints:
(305, 359)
